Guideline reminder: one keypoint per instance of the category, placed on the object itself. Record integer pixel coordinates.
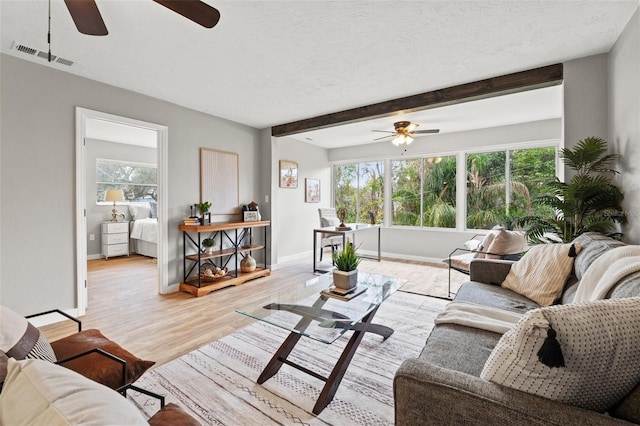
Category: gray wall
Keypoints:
(38, 168)
(624, 119)
(98, 213)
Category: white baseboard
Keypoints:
(93, 256)
(53, 317)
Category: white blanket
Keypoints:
(478, 316)
(606, 271)
(145, 230)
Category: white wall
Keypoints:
(624, 120)
(38, 168)
(296, 218)
(96, 214)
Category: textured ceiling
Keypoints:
(271, 62)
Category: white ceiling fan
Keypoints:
(403, 133)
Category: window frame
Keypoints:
(122, 162)
(461, 181)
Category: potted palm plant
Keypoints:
(204, 209)
(589, 202)
(345, 276)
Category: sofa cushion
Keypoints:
(494, 296)
(477, 345)
(95, 366)
(593, 246)
(39, 392)
(542, 273)
(598, 341)
(20, 339)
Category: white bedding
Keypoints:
(145, 230)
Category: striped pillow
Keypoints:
(599, 346)
(541, 273)
(19, 339)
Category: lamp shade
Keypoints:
(114, 195)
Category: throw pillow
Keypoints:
(542, 272)
(172, 414)
(96, 366)
(20, 339)
(597, 340)
(506, 242)
(484, 245)
(153, 209)
(38, 392)
(139, 211)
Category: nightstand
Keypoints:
(115, 239)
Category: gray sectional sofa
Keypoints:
(443, 385)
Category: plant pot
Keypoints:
(209, 249)
(248, 264)
(345, 280)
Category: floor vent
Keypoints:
(40, 54)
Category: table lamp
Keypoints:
(114, 195)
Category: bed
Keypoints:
(144, 229)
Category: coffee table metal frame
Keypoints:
(360, 321)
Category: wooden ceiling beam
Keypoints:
(504, 84)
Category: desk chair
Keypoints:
(329, 217)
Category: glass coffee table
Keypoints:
(307, 312)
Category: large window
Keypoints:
(139, 181)
(359, 189)
(503, 185)
(424, 192)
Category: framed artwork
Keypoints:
(219, 180)
(288, 174)
(312, 190)
(250, 216)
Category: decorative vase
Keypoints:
(210, 250)
(345, 280)
(248, 264)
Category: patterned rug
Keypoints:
(217, 383)
(429, 279)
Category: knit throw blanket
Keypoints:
(606, 271)
(478, 316)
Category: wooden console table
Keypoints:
(233, 233)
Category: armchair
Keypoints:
(499, 244)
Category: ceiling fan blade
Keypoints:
(427, 131)
(384, 137)
(86, 16)
(411, 127)
(382, 131)
(195, 10)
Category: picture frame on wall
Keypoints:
(288, 174)
(312, 190)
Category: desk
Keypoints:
(355, 228)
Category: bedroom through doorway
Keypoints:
(124, 157)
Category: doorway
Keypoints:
(84, 118)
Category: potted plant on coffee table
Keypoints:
(345, 276)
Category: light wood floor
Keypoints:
(125, 306)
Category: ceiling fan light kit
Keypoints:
(404, 131)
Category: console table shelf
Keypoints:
(231, 233)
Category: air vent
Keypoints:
(40, 54)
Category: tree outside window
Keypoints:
(139, 181)
(424, 192)
(501, 185)
(359, 189)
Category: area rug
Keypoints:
(429, 279)
(217, 383)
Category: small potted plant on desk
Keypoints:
(345, 276)
(208, 244)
